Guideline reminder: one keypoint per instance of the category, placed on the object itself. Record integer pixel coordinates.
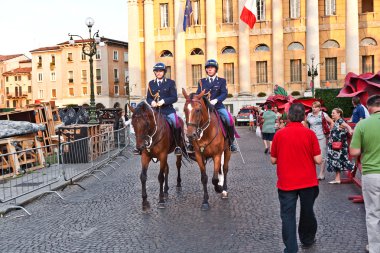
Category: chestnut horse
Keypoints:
(205, 133)
(154, 140)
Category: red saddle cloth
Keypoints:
(222, 125)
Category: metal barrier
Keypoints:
(38, 170)
(87, 156)
(27, 171)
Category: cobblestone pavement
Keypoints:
(107, 216)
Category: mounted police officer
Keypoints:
(162, 94)
(216, 89)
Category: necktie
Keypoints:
(159, 83)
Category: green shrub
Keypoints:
(330, 101)
(261, 94)
(295, 93)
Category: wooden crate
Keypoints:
(90, 143)
(107, 140)
(27, 151)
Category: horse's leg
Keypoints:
(215, 178)
(227, 156)
(179, 180)
(161, 179)
(166, 187)
(145, 159)
(205, 206)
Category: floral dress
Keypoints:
(337, 160)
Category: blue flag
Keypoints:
(186, 18)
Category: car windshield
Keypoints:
(244, 111)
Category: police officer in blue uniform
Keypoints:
(162, 94)
(216, 89)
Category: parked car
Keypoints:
(242, 118)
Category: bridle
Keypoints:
(149, 142)
(199, 129)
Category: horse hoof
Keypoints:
(205, 207)
(218, 188)
(166, 196)
(161, 205)
(146, 207)
(224, 195)
(179, 188)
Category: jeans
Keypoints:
(172, 119)
(371, 194)
(224, 115)
(307, 227)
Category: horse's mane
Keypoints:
(141, 108)
(205, 100)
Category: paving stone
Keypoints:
(107, 216)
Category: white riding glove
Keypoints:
(214, 101)
(161, 102)
(154, 104)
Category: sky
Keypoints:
(30, 24)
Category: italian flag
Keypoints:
(249, 12)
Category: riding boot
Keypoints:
(177, 137)
(231, 135)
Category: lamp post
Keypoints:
(89, 49)
(312, 71)
(128, 90)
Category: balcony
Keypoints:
(52, 65)
(369, 19)
(71, 80)
(39, 65)
(116, 80)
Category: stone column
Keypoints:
(352, 36)
(134, 57)
(211, 46)
(312, 37)
(278, 74)
(244, 57)
(149, 40)
(180, 49)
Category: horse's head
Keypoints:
(144, 124)
(196, 114)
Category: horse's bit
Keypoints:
(148, 143)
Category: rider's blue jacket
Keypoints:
(217, 89)
(166, 91)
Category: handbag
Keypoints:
(337, 145)
(325, 125)
(258, 131)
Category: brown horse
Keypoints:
(205, 133)
(154, 140)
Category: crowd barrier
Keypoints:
(42, 169)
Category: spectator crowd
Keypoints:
(297, 142)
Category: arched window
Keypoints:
(368, 42)
(166, 53)
(262, 48)
(197, 51)
(228, 50)
(330, 44)
(295, 46)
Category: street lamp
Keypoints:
(89, 49)
(312, 71)
(128, 90)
